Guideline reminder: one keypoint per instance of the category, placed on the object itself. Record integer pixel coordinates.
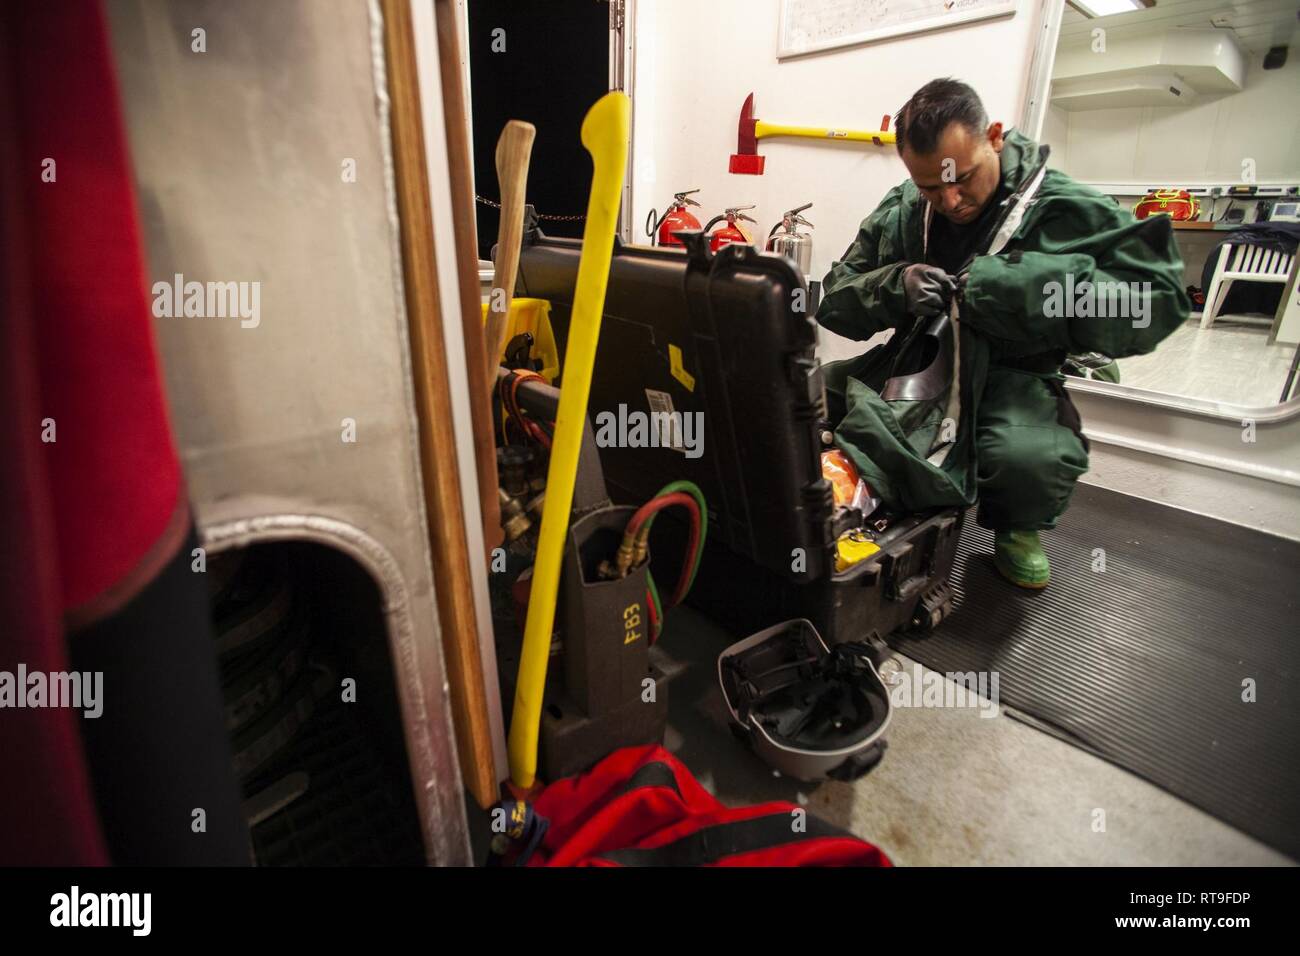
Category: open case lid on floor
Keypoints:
(809, 711)
(727, 342)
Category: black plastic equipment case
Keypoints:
(731, 337)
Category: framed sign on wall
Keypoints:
(811, 26)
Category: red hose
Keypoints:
(684, 579)
(654, 617)
(655, 505)
(510, 402)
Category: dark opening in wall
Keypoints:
(545, 63)
(312, 708)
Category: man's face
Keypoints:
(963, 172)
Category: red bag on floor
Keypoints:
(640, 806)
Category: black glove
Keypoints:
(927, 289)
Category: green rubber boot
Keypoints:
(1019, 557)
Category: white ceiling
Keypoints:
(1257, 24)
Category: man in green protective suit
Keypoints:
(1007, 267)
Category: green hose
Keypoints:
(658, 605)
(690, 488)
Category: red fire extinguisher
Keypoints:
(732, 231)
(675, 218)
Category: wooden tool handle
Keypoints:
(514, 150)
(465, 235)
(448, 545)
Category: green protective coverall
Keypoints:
(1017, 446)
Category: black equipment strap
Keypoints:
(716, 843)
(655, 774)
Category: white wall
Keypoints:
(697, 60)
(1056, 133)
(1201, 143)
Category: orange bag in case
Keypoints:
(842, 474)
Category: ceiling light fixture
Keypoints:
(1106, 8)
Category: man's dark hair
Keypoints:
(931, 110)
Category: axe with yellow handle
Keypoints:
(746, 159)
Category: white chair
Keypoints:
(1250, 263)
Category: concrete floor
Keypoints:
(954, 788)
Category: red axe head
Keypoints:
(746, 159)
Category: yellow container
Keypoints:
(852, 547)
(534, 316)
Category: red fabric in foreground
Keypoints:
(77, 515)
(113, 472)
(593, 814)
(47, 814)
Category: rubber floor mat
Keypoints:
(1167, 643)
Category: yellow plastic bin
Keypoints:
(532, 315)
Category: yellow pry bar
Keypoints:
(605, 137)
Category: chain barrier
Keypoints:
(540, 215)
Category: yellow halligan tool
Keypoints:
(604, 135)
